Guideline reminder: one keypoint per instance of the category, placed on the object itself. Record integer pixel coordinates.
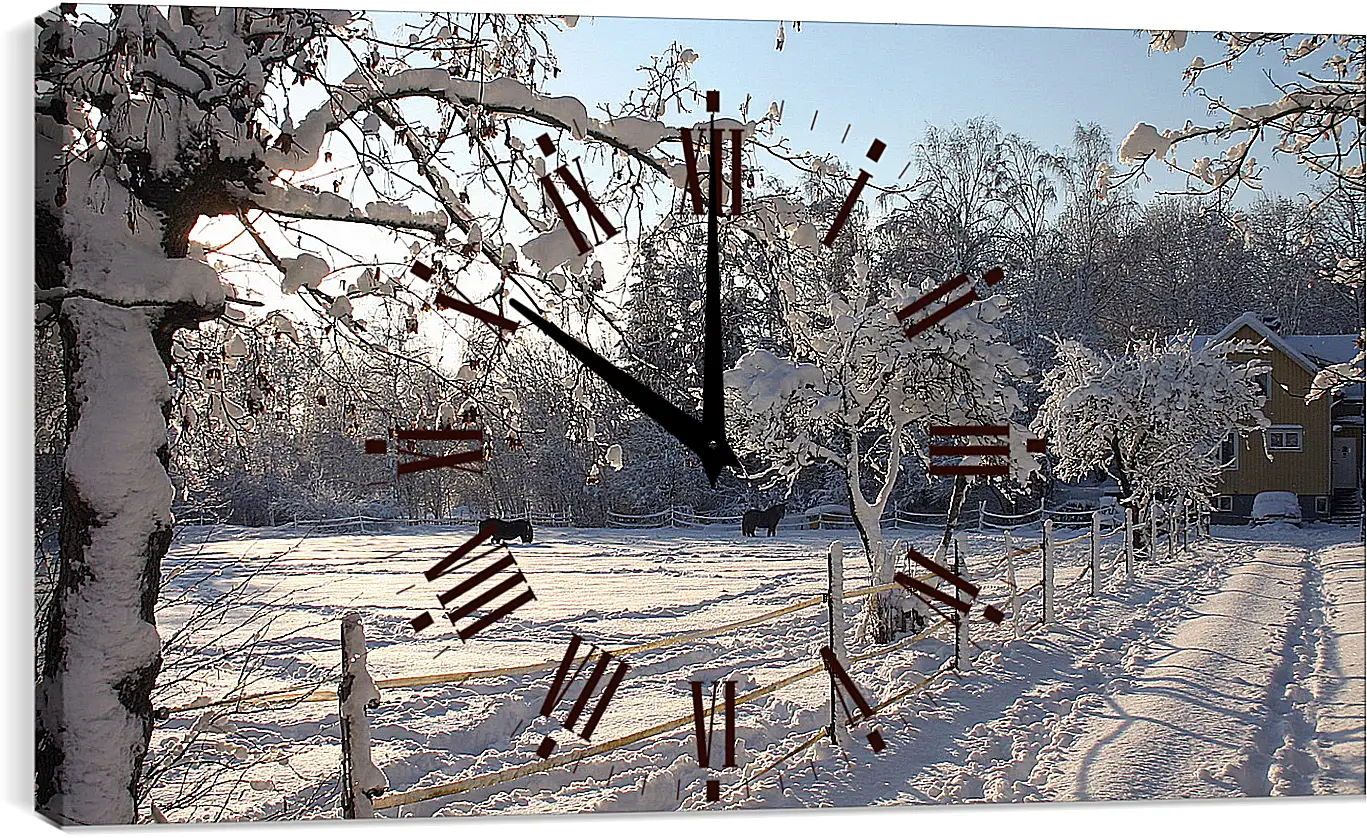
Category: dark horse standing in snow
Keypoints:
(769, 518)
(508, 530)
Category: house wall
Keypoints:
(1304, 472)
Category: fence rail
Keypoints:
(978, 518)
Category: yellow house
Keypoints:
(1312, 450)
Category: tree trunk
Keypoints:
(1128, 500)
(883, 611)
(102, 652)
(956, 505)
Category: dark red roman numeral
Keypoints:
(928, 593)
(694, 185)
(564, 680)
(703, 727)
(875, 153)
(597, 220)
(937, 469)
(497, 321)
(990, 278)
(421, 461)
(844, 686)
(484, 577)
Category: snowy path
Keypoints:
(1218, 706)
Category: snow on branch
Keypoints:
(289, 200)
(358, 93)
(1334, 378)
(1317, 120)
(1154, 418)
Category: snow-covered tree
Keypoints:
(152, 121)
(1153, 418)
(857, 394)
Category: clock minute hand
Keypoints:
(713, 397)
(713, 403)
(678, 424)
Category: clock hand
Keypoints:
(680, 425)
(713, 401)
(713, 398)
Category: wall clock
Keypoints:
(489, 586)
(650, 461)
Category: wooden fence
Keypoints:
(362, 783)
(1177, 527)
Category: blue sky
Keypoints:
(891, 80)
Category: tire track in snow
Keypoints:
(1204, 718)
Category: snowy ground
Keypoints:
(1235, 668)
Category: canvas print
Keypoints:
(450, 413)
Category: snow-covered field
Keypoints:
(1235, 668)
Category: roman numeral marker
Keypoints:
(499, 322)
(597, 220)
(703, 728)
(425, 462)
(456, 561)
(928, 593)
(564, 680)
(842, 685)
(716, 149)
(990, 278)
(875, 153)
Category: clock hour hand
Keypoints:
(714, 453)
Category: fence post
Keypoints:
(961, 656)
(835, 612)
(1096, 552)
(1011, 584)
(1129, 546)
(1048, 570)
(982, 514)
(361, 779)
(1172, 530)
(1153, 532)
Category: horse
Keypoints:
(508, 530)
(767, 518)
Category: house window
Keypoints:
(1265, 384)
(1222, 503)
(1321, 506)
(1229, 453)
(1284, 438)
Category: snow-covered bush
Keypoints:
(1153, 418)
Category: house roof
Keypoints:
(1325, 349)
(1313, 352)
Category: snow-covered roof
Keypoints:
(1269, 334)
(1313, 352)
(1325, 349)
